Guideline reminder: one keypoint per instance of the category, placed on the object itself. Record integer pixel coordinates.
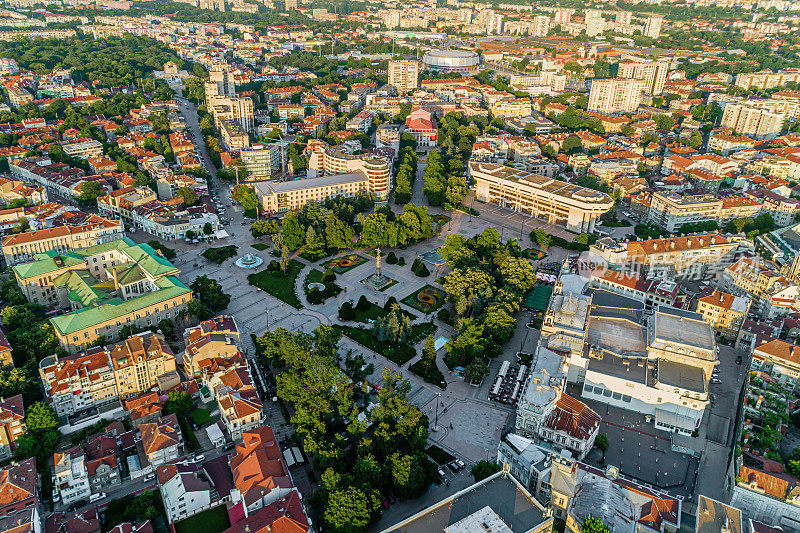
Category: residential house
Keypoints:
(71, 476)
(19, 506)
(162, 440)
(189, 488)
(285, 515)
(102, 461)
(259, 472)
(725, 312)
(12, 424)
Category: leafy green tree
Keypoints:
(476, 370)
(208, 298)
(592, 524)
(41, 417)
(178, 402)
(294, 236)
(338, 234)
(207, 228)
(315, 245)
(483, 469)
(262, 227)
(348, 509)
(90, 191)
(572, 144)
(601, 441)
(247, 197)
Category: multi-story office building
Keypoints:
(652, 28)
(23, 247)
(615, 95)
(279, 197)
(558, 202)
(653, 74)
(262, 160)
(104, 288)
(103, 374)
(238, 109)
(753, 121)
(403, 75)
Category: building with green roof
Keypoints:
(97, 291)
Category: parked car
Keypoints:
(96, 497)
(441, 472)
(150, 477)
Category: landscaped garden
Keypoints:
(427, 299)
(397, 353)
(342, 264)
(260, 246)
(533, 254)
(278, 283)
(316, 295)
(221, 254)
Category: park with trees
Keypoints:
(360, 459)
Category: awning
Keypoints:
(221, 234)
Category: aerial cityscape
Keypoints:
(366, 266)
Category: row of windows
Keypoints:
(607, 393)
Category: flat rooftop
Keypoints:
(501, 493)
(266, 188)
(679, 375)
(683, 327)
(621, 336)
(629, 368)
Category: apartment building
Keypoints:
(102, 374)
(239, 110)
(280, 197)
(699, 256)
(122, 204)
(22, 247)
(724, 312)
(577, 208)
(766, 494)
(102, 461)
(262, 160)
(652, 28)
(756, 278)
(19, 509)
(102, 289)
(403, 75)
(259, 473)
(239, 404)
(190, 488)
(767, 79)
(203, 351)
(162, 440)
(511, 107)
(361, 122)
(71, 476)
(18, 96)
(753, 121)
(615, 95)
(12, 424)
(653, 74)
(651, 292)
(671, 210)
(83, 148)
(138, 362)
(328, 161)
(234, 137)
(779, 359)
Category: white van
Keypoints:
(97, 496)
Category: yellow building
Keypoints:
(24, 246)
(725, 312)
(138, 361)
(102, 289)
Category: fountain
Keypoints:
(249, 261)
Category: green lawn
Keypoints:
(212, 520)
(315, 276)
(279, 284)
(221, 254)
(374, 311)
(397, 353)
(260, 246)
